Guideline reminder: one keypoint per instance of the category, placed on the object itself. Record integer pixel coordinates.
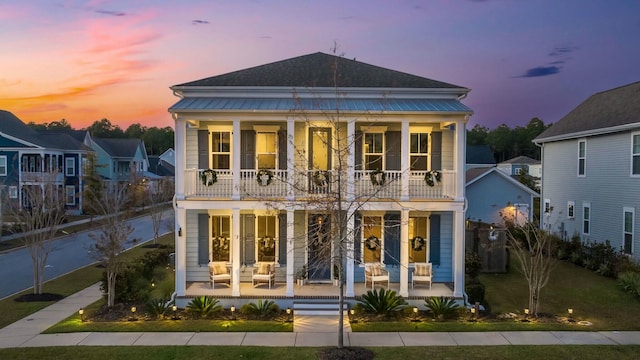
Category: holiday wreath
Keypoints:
(209, 177)
(418, 243)
(372, 242)
(321, 178)
(264, 177)
(432, 177)
(378, 177)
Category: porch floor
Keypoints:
(308, 291)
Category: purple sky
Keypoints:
(87, 60)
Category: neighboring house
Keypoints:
(246, 126)
(163, 165)
(493, 196)
(31, 158)
(119, 160)
(591, 171)
(518, 164)
(479, 156)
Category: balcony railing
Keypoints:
(41, 177)
(275, 184)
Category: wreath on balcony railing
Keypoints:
(321, 178)
(372, 243)
(432, 177)
(209, 177)
(418, 243)
(378, 177)
(264, 177)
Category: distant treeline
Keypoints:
(156, 140)
(508, 143)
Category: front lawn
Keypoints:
(65, 286)
(593, 352)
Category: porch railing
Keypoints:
(275, 184)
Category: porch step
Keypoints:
(318, 308)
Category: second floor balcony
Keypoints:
(278, 184)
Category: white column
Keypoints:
(290, 247)
(235, 262)
(351, 136)
(458, 253)
(404, 253)
(404, 161)
(291, 152)
(237, 151)
(350, 253)
(180, 154)
(459, 159)
(181, 250)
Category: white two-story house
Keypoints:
(256, 151)
(591, 171)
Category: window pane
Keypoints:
(415, 141)
(581, 148)
(628, 222)
(266, 161)
(225, 144)
(220, 162)
(373, 162)
(636, 144)
(627, 243)
(424, 143)
(636, 165)
(418, 163)
(581, 167)
(266, 142)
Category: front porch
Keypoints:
(313, 291)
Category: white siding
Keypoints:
(195, 272)
(606, 185)
(192, 148)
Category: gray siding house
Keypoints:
(591, 171)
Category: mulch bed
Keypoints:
(39, 297)
(345, 353)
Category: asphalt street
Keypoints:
(68, 253)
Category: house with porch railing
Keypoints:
(255, 149)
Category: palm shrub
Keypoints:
(630, 282)
(262, 309)
(441, 307)
(203, 306)
(157, 308)
(383, 302)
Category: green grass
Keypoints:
(593, 297)
(65, 285)
(593, 352)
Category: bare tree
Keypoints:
(158, 194)
(38, 217)
(533, 247)
(331, 231)
(110, 239)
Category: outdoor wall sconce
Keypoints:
(233, 312)
(81, 313)
(180, 231)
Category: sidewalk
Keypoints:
(308, 331)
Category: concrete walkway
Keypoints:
(308, 331)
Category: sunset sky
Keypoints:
(88, 60)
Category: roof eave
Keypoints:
(592, 132)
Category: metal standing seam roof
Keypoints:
(290, 104)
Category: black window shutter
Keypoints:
(357, 234)
(247, 234)
(282, 224)
(282, 150)
(358, 150)
(434, 239)
(392, 239)
(248, 146)
(393, 150)
(436, 150)
(203, 239)
(203, 149)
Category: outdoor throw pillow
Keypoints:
(376, 270)
(263, 269)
